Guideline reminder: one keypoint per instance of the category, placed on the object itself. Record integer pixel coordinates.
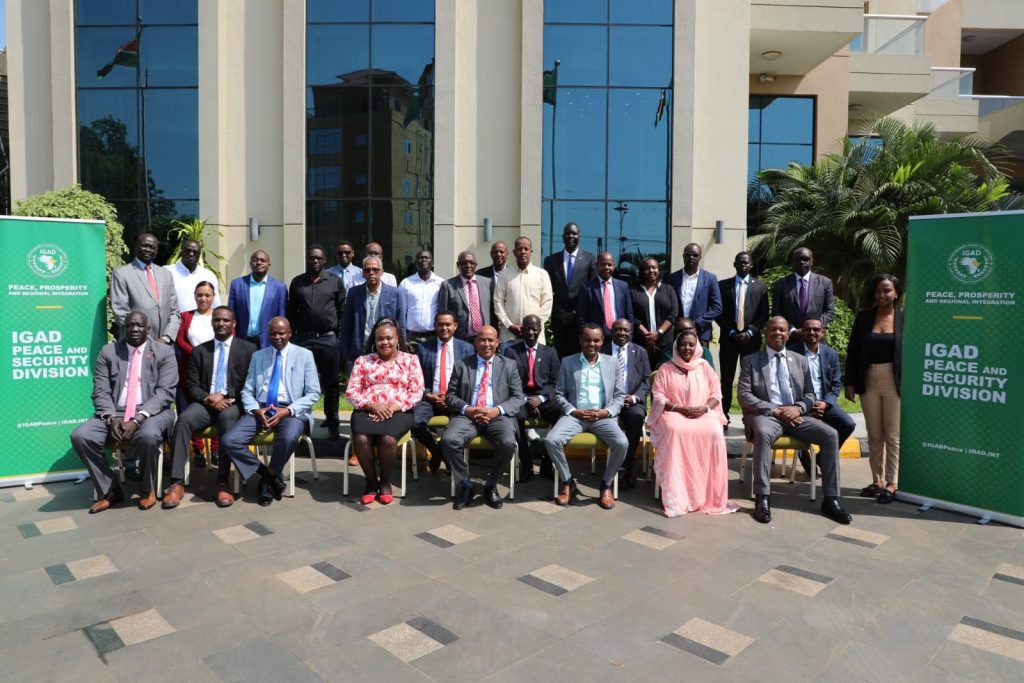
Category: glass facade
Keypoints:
(780, 130)
(370, 125)
(136, 78)
(607, 125)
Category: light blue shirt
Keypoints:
(256, 292)
(591, 390)
(489, 394)
(283, 398)
(350, 275)
(814, 365)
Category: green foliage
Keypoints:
(198, 230)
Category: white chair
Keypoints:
(784, 443)
(482, 443)
(587, 440)
(404, 443)
(266, 439)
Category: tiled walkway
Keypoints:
(320, 588)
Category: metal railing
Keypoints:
(951, 83)
(891, 34)
(990, 104)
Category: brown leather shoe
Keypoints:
(353, 461)
(224, 497)
(106, 502)
(567, 494)
(607, 500)
(173, 496)
(148, 500)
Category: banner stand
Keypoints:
(983, 516)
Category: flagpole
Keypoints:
(554, 175)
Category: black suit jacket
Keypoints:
(545, 368)
(506, 389)
(666, 307)
(821, 303)
(755, 309)
(427, 355)
(565, 294)
(858, 350)
(201, 369)
(831, 373)
(638, 370)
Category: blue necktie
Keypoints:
(570, 269)
(220, 378)
(782, 370)
(275, 380)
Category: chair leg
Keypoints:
(291, 476)
(405, 448)
(657, 486)
(814, 472)
(344, 468)
(312, 454)
(593, 460)
(160, 474)
(554, 493)
(615, 487)
(513, 473)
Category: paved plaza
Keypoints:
(319, 587)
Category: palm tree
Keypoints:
(852, 207)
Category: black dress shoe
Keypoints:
(214, 459)
(763, 509)
(266, 496)
(627, 480)
(332, 430)
(525, 472)
(547, 470)
(132, 471)
(463, 497)
(200, 461)
(492, 498)
(277, 486)
(885, 496)
(831, 508)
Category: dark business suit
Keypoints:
(821, 303)
(858, 357)
(275, 304)
(590, 307)
(353, 320)
(454, 297)
(831, 386)
(755, 317)
(637, 384)
(158, 380)
(427, 353)
(754, 391)
(506, 393)
(666, 307)
(565, 297)
(198, 416)
(545, 373)
(707, 301)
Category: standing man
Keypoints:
(499, 255)
(365, 305)
(350, 274)
(280, 389)
(803, 295)
(187, 273)
(777, 395)
(524, 291)
(437, 356)
(634, 368)
(216, 375)
(468, 296)
(419, 293)
(569, 270)
(315, 301)
(484, 393)
(143, 286)
(375, 250)
(133, 389)
(699, 298)
(256, 299)
(604, 299)
(744, 315)
(590, 395)
(538, 372)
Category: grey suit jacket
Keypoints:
(756, 382)
(453, 297)
(506, 387)
(569, 376)
(299, 377)
(129, 291)
(159, 378)
(821, 304)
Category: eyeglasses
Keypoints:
(370, 269)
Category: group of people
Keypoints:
(471, 349)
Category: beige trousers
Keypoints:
(881, 404)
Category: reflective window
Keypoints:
(370, 77)
(781, 130)
(136, 68)
(607, 123)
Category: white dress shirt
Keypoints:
(217, 346)
(814, 365)
(449, 351)
(420, 297)
(687, 291)
(185, 284)
(122, 399)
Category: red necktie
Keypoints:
(609, 314)
(476, 320)
(152, 281)
(134, 374)
(530, 384)
(442, 381)
(481, 394)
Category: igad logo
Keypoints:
(970, 263)
(47, 260)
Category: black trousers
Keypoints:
(196, 418)
(567, 337)
(550, 413)
(631, 419)
(422, 412)
(729, 354)
(328, 365)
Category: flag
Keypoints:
(422, 96)
(551, 86)
(662, 107)
(126, 55)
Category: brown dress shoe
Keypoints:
(567, 494)
(353, 461)
(607, 500)
(113, 498)
(173, 496)
(224, 497)
(148, 500)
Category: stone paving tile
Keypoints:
(260, 659)
(555, 579)
(447, 536)
(413, 639)
(240, 533)
(47, 526)
(653, 537)
(857, 536)
(312, 577)
(1010, 573)
(544, 507)
(990, 637)
(79, 570)
(798, 580)
(22, 494)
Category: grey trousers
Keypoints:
(766, 429)
(607, 430)
(501, 432)
(89, 438)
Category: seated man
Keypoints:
(133, 391)
(634, 367)
(280, 390)
(590, 396)
(777, 395)
(438, 355)
(538, 371)
(216, 374)
(484, 393)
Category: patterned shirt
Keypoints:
(399, 380)
(519, 293)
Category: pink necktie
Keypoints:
(481, 394)
(442, 381)
(134, 373)
(476, 320)
(530, 384)
(609, 314)
(152, 281)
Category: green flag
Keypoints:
(551, 86)
(126, 55)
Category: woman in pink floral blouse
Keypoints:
(384, 386)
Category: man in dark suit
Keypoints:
(437, 355)
(365, 304)
(145, 287)
(777, 396)
(485, 394)
(499, 255)
(826, 376)
(634, 368)
(133, 389)
(699, 298)
(604, 299)
(569, 270)
(216, 375)
(255, 299)
(468, 297)
(744, 315)
(803, 295)
(538, 371)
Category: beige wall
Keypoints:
(942, 34)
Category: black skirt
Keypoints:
(396, 425)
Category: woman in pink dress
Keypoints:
(686, 429)
(384, 386)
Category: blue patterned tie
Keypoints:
(275, 380)
(569, 271)
(782, 370)
(220, 378)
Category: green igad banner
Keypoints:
(52, 317)
(961, 394)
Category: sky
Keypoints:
(3, 25)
